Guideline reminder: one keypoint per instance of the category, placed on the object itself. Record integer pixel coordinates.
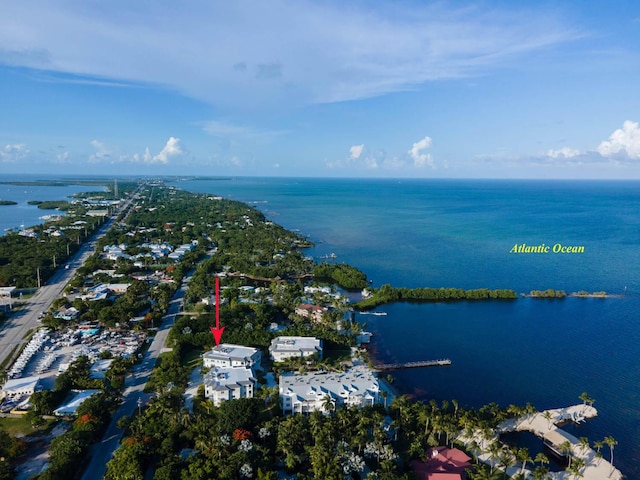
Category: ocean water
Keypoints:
(458, 233)
(14, 216)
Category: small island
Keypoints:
(551, 293)
(51, 205)
(8, 202)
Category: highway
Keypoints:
(102, 452)
(14, 330)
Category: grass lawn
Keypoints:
(22, 427)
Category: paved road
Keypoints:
(102, 452)
(15, 328)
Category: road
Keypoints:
(15, 328)
(133, 393)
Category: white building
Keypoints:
(228, 383)
(19, 387)
(286, 347)
(229, 355)
(306, 393)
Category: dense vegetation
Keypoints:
(55, 205)
(344, 275)
(549, 293)
(388, 294)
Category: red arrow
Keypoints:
(217, 331)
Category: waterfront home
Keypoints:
(230, 355)
(287, 347)
(228, 383)
(324, 391)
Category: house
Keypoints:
(442, 463)
(228, 383)
(312, 312)
(99, 368)
(306, 393)
(73, 401)
(230, 355)
(67, 313)
(19, 387)
(286, 347)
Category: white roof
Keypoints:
(225, 377)
(20, 383)
(295, 344)
(312, 385)
(70, 407)
(231, 351)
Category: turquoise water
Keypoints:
(13, 216)
(436, 233)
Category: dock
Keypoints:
(425, 363)
(545, 426)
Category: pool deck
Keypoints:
(544, 425)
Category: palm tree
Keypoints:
(494, 449)
(584, 443)
(578, 463)
(506, 458)
(523, 455)
(547, 415)
(566, 448)
(611, 442)
(541, 473)
(530, 410)
(328, 404)
(586, 399)
(542, 459)
(473, 448)
(598, 444)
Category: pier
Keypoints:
(425, 363)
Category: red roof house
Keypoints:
(442, 463)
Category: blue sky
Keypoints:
(496, 89)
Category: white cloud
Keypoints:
(101, 154)
(171, 149)
(625, 139)
(301, 51)
(145, 157)
(355, 151)
(564, 152)
(13, 153)
(421, 159)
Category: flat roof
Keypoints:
(225, 377)
(229, 350)
(287, 344)
(557, 437)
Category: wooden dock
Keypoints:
(425, 363)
